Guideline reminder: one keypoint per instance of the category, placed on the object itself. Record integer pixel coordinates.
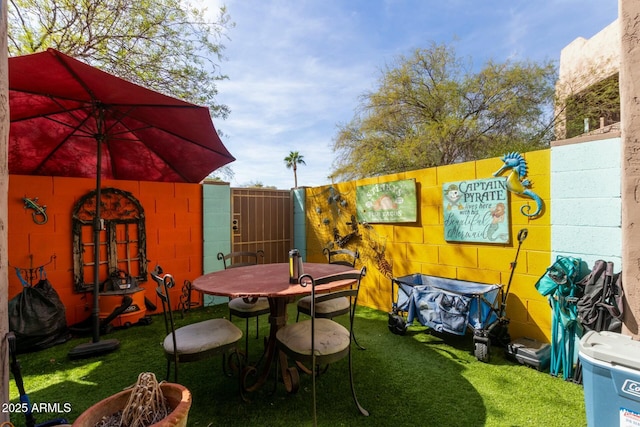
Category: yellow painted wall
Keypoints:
(395, 250)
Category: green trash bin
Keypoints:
(611, 378)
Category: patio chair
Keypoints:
(334, 307)
(245, 308)
(186, 303)
(318, 341)
(195, 341)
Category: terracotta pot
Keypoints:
(178, 396)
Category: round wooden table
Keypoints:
(270, 281)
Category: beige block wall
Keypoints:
(395, 250)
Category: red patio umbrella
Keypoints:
(71, 119)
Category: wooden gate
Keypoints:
(262, 219)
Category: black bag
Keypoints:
(601, 307)
(37, 318)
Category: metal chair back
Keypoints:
(240, 258)
(342, 256)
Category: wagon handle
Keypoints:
(522, 235)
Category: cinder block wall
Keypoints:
(586, 208)
(394, 250)
(579, 182)
(299, 221)
(173, 222)
(216, 222)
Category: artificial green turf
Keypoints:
(418, 379)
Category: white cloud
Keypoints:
(297, 69)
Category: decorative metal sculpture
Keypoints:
(341, 241)
(39, 213)
(125, 237)
(382, 263)
(517, 183)
(369, 245)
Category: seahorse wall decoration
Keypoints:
(517, 183)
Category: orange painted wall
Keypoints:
(173, 223)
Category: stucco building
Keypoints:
(588, 98)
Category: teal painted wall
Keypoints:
(298, 199)
(216, 218)
(586, 204)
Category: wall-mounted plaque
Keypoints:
(476, 211)
(387, 202)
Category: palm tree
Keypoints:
(292, 161)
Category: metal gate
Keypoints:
(262, 219)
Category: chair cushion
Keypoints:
(203, 336)
(324, 307)
(239, 304)
(330, 337)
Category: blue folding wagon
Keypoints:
(448, 305)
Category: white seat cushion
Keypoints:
(330, 337)
(203, 336)
(324, 307)
(239, 304)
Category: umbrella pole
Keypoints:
(96, 347)
(97, 226)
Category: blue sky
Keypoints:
(297, 68)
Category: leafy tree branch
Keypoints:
(431, 109)
(170, 46)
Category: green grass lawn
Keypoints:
(417, 379)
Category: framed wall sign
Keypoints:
(476, 211)
(387, 202)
